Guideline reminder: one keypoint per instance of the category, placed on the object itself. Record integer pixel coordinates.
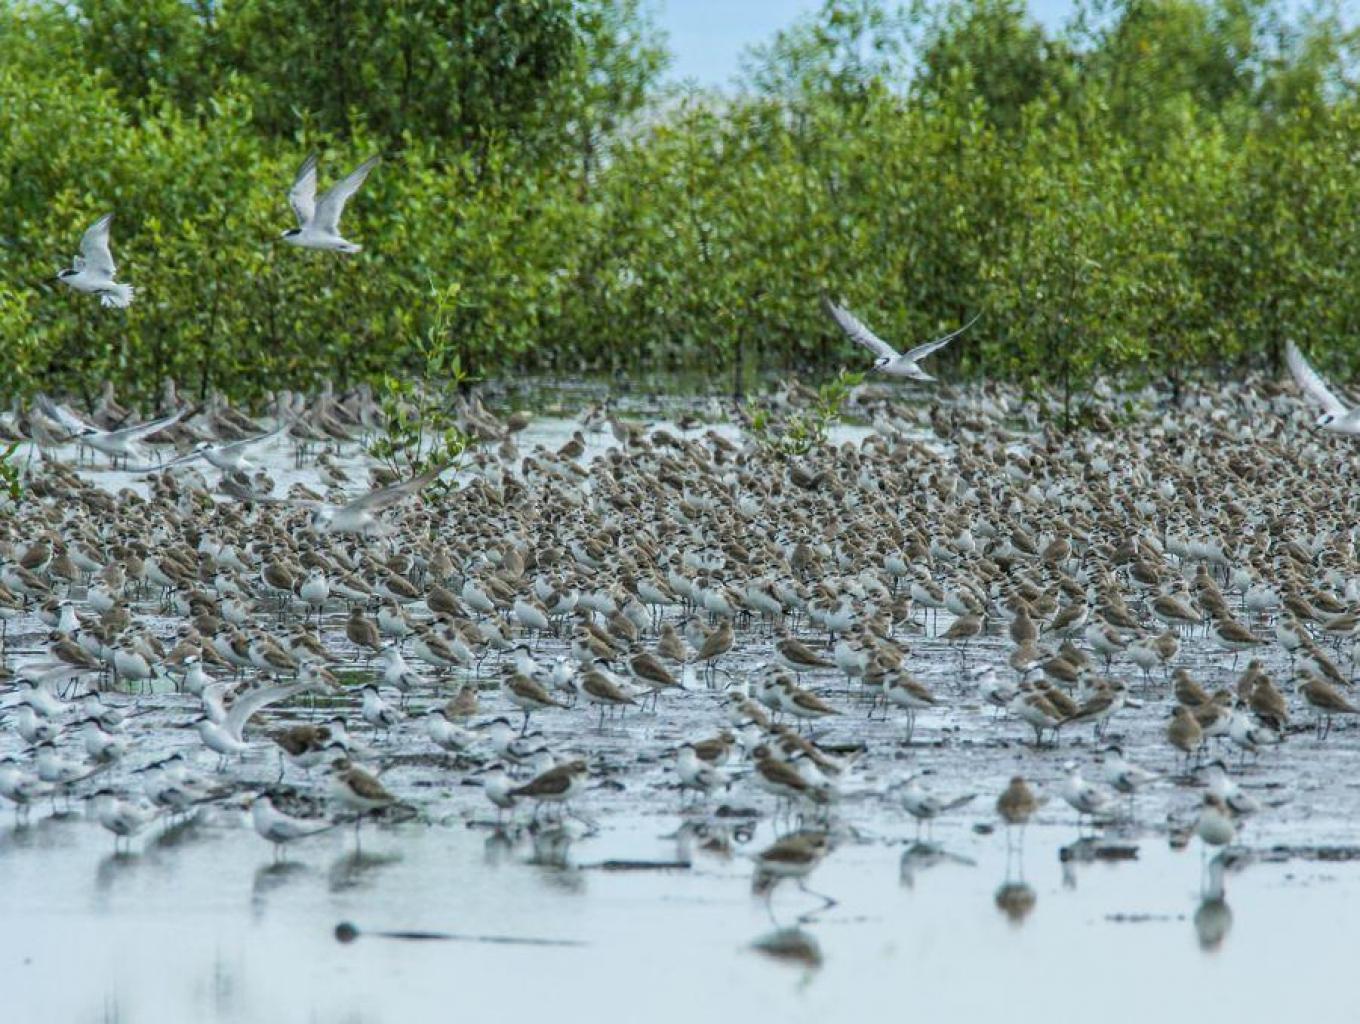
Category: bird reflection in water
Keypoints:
(551, 853)
(273, 876)
(793, 858)
(793, 946)
(1213, 917)
(1213, 921)
(1015, 806)
(551, 846)
(47, 833)
(1090, 849)
(120, 864)
(178, 833)
(922, 856)
(711, 837)
(357, 868)
(1016, 900)
(497, 847)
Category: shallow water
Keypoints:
(198, 924)
(209, 929)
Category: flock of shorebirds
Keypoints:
(768, 627)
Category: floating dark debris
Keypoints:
(1142, 918)
(638, 865)
(1086, 850)
(346, 932)
(1329, 854)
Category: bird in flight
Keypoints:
(92, 271)
(113, 443)
(360, 516)
(319, 219)
(890, 361)
(1335, 416)
(230, 457)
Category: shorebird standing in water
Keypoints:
(356, 789)
(279, 828)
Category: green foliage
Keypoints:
(805, 429)
(11, 473)
(466, 73)
(420, 430)
(1167, 185)
(838, 54)
(1007, 60)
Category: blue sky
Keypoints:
(708, 36)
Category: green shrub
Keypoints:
(1163, 188)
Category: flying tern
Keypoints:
(113, 443)
(889, 360)
(319, 219)
(1335, 416)
(360, 516)
(92, 271)
(230, 457)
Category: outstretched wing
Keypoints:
(856, 331)
(388, 496)
(1310, 383)
(332, 204)
(146, 429)
(177, 461)
(302, 196)
(247, 442)
(249, 703)
(921, 351)
(270, 499)
(62, 415)
(94, 247)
